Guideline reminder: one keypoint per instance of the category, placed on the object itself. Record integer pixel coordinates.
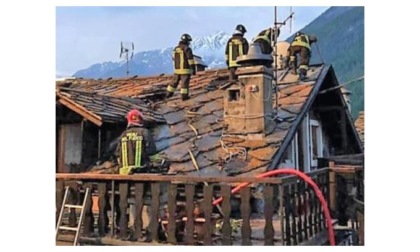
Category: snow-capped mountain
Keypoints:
(209, 48)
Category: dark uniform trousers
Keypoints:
(185, 82)
(304, 52)
(305, 55)
(232, 75)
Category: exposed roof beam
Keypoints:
(80, 110)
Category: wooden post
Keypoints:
(268, 213)
(103, 220)
(138, 219)
(245, 213)
(112, 208)
(311, 212)
(361, 230)
(299, 212)
(288, 213)
(59, 197)
(281, 213)
(189, 208)
(317, 212)
(226, 208)
(208, 207)
(304, 196)
(74, 200)
(171, 213)
(123, 204)
(333, 188)
(154, 220)
(294, 229)
(88, 220)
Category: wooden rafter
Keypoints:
(97, 120)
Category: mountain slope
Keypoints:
(340, 32)
(209, 48)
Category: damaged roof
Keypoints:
(192, 137)
(102, 108)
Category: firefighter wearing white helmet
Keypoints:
(183, 61)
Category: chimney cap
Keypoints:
(254, 54)
(199, 61)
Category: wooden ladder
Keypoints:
(60, 225)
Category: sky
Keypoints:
(86, 35)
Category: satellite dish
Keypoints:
(127, 52)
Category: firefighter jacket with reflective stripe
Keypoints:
(134, 148)
(264, 39)
(302, 40)
(183, 59)
(236, 46)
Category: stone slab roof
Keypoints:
(192, 131)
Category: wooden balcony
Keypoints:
(272, 211)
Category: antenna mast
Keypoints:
(275, 60)
(274, 45)
(127, 49)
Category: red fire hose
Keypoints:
(308, 180)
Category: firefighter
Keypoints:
(183, 60)
(135, 145)
(236, 46)
(265, 38)
(301, 45)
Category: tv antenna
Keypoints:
(127, 52)
(278, 25)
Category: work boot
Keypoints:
(169, 94)
(302, 74)
(185, 97)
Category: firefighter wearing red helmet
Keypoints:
(135, 145)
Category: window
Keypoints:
(233, 94)
(292, 157)
(316, 142)
(310, 144)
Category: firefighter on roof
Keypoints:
(135, 145)
(301, 45)
(236, 46)
(265, 38)
(183, 60)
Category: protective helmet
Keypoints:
(186, 38)
(134, 117)
(298, 33)
(241, 28)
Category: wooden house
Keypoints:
(227, 132)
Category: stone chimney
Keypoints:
(248, 103)
(199, 64)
